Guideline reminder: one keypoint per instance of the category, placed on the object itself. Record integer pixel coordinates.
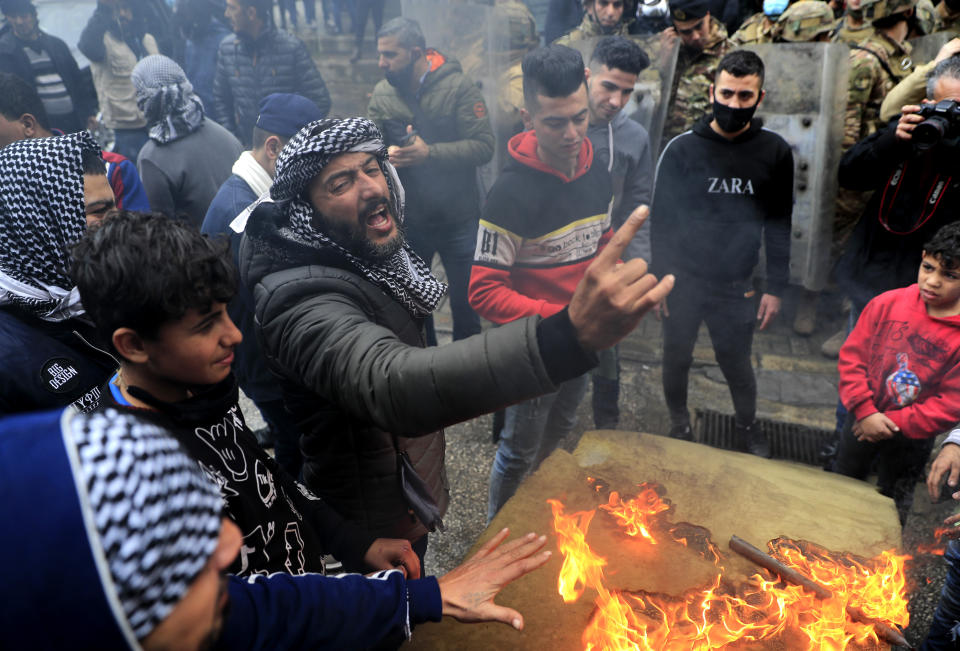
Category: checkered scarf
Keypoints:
(41, 216)
(157, 517)
(166, 98)
(404, 275)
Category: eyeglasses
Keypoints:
(690, 30)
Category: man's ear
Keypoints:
(129, 345)
(763, 96)
(273, 146)
(29, 125)
(586, 75)
(710, 94)
(527, 119)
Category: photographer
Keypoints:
(916, 192)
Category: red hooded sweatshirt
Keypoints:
(539, 232)
(903, 362)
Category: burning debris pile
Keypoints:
(854, 603)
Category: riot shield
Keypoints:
(925, 48)
(806, 86)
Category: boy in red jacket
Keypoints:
(900, 374)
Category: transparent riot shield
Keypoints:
(806, 86)
(925, 48)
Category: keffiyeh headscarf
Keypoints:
(165, 97)
(41, 216)
(404, 275)
(157, 517)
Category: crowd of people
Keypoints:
(228, 235)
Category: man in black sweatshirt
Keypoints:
(719, 187)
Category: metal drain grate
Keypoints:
(787, 440)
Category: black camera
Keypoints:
(942, 123)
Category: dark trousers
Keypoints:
(455, 242)
(944, 633)
(364, 9)
(729, 311)
(900, 463)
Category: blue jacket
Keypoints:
(45, 364)
(64, 587)
(257, 382)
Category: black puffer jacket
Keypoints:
(250, 69)
(355, 374)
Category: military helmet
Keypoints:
(803, 21)
(883, 8)
(515, 28)
(926, 16)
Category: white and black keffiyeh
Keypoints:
(165, 97)
(156, 516)
(41, 216)
(405, 276)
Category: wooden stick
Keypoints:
(767, 561)
(790, 575)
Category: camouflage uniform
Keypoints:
(852, 35)
(590, 28)
(928, 18)
(756, 29)
(691, 82)
(876, 66)
(804, 21)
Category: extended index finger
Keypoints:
(614, 250)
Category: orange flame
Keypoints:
(581, 567)
(635, 515)
(722, 614)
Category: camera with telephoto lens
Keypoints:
(942, 123)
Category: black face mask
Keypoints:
(732, 120)
(402, 77)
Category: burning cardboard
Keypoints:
(649, 569)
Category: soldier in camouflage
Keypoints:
(876, 66)
(853, 26)
(761, 26)
(600, 18)
(703, 42)
(804, 22)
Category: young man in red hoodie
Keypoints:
(900, 374)
(546, 217)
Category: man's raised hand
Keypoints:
(612, 297)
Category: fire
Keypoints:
(863, 590)
(635, 514)
(581, 567)
(937, 547)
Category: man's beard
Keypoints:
(353, 237)
(401, 78)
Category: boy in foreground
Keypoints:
(157, 291)
(900, 373)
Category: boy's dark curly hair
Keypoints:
(143, 270)
(945, 245)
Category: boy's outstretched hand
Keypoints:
(612, 297)
(875, 427)
(948, 461)
(468, 590)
